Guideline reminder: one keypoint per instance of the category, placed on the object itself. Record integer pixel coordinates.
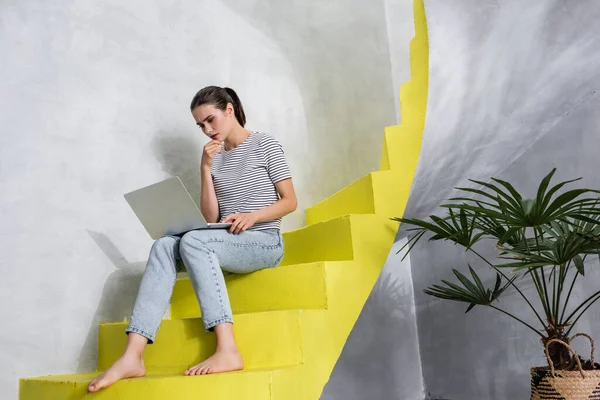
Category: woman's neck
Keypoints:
(236, 137)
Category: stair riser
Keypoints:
(266, 340)
(283, 288)
(356, 198)
(326, 241)
(383, 193)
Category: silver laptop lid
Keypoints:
(166, 208)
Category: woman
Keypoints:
(245, 181)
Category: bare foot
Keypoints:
(124, 367)
(222, 361)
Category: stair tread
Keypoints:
(157, 384)
(151, 373)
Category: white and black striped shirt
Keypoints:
(244, 177)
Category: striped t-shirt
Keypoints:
(244, 177)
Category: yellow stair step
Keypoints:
(326, 241)
(403, 145)
(157, 385)
(381, 192)
(266, 340)
(337, 239)
(294, 287)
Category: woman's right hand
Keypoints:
(208, 154)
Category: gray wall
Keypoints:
(513, 92)
(95, 103)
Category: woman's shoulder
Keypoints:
(262, 135)
(265, 138)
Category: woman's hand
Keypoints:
(208, 154)
(240, 221)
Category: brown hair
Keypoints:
(220, 97)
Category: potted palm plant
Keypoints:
(546, 240)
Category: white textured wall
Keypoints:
(401, 29)
(95, 103)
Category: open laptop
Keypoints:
(166, 208)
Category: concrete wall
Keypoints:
(513, 92)
(95, 103)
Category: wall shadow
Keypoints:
(179, 156)
(117, 299)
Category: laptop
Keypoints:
(166, 208)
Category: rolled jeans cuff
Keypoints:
(140, 332)
(209, 326)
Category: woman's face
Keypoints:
(215, 123)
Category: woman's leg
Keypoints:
(206, 253)
(151, 303)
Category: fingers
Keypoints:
(230, 217)
(234, 225)
(211, 151)
(212, 147)
(239, 222)
(241, 225)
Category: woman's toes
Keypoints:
(93, 386)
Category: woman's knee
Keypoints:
(165, 244)
(193, 241)
(164, 255)
(194, 244)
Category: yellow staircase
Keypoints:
(291, 322)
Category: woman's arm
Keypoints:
(282, 207)
(285, 205)
(209, 206)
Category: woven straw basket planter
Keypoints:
(548, 384)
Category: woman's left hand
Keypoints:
(240, 221)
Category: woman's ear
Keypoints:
(229, 110)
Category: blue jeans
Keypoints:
(205, 254)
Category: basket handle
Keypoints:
(568, 347)
(591, 342)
